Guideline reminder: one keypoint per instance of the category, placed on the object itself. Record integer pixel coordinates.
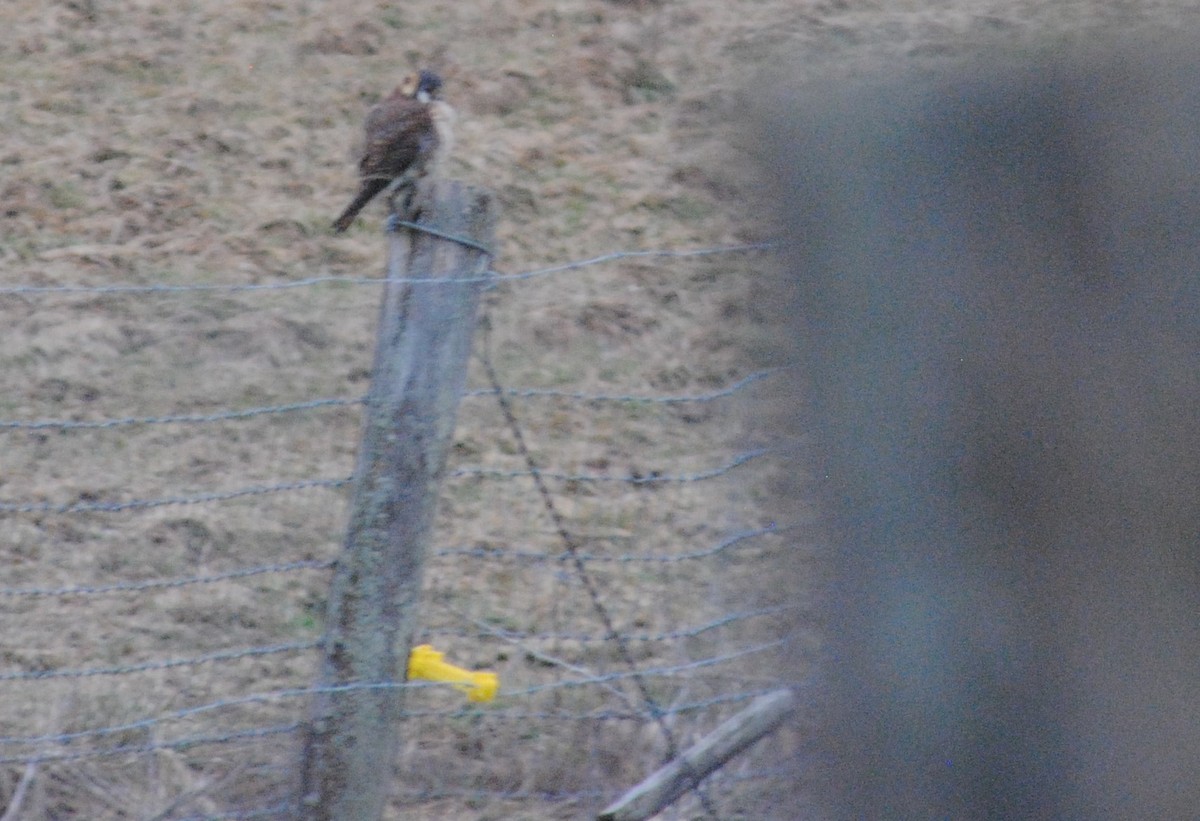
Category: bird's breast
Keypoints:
(443, 123)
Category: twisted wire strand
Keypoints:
(163, 584)
(486, 277)
(147, 504)
(325, 564)
(153, 746)
(309, 484)
(652, 478)
(220, 704)
(651, 399)
(491, 713)
(340, 402)
(166, 664)
(626, 558)
(175, 419)
(588, 638)
(654, 672)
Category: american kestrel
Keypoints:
(406, 135)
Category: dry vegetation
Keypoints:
(210, 142)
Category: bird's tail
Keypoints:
(369, 189)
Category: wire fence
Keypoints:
(185, 643)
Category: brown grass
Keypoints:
(211, 142)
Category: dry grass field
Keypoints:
(206, 143)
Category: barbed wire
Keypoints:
(235, 655)
(526, 713)
(154, 746)
(503, 795)
(670, 671)
(405, 794)
(147, 504)
(464, 711)
(673, 710)
(585, 638)
(623, 558)
(487, 277)
(162, 584)
(325, 564)
(651, 399)
(63, 738)
(338, 402)
(177, 419)
(167, 664)
(651, 478)
(221, 704)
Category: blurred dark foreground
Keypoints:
(995, 279)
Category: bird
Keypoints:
(407, 134)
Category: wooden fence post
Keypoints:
(424, 342)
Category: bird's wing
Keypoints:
(400, 134)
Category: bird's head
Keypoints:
(423, 87)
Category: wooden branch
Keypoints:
(703, 758)
(18, 797)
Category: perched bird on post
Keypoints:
(406, 135)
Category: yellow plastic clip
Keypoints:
(426, 664)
